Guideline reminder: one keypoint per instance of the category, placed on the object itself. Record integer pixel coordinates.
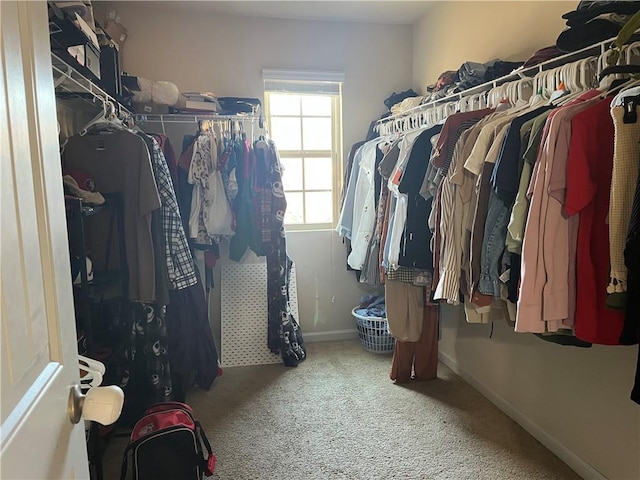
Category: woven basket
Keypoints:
(374, 333)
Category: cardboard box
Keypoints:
(150, 108)
(116, 31)
(86, 56)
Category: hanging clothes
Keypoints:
(522, 202)
(180, 267)
(169, 155)
(345, 220)
(547, 278)
(210, 213)
(370, 274)
(631, 329)
(205, 254)
(589, 175)
(284, 333)
(192, 348)
(149, 373)
(418, 360)
(119, 163)
(626, 165)
(246, 206)
(363, 206)
(190, 340)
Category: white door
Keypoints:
(37, 342)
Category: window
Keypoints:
(304, 122)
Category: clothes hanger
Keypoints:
(513, 92)
(470, 102)
(573, 89)
(537, 89)
(491, 94)
(107, 119)
(97, 118)
(507, 93)
(94, 369)
(93, 121)
(587, 70)
(483, 100)
(631, 82)
(525, 95)
(607, 76)
(606, 79)
(576, 80)
(478, 101)
(618, 69)
(554, 84)
(541, 81)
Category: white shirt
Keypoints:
(364, 209)
(400, 213)
(345, 221)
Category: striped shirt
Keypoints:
(450, 225)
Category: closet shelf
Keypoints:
(70, 82)
(522, 73)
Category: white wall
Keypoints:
(226, 55)
(454, 32)
(576, 401)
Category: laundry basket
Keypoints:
(374, 333)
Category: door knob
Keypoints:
(100, 404)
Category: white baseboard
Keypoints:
(332, 335)
(581, 467)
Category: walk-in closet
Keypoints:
(245, 240)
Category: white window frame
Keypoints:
(299, 84)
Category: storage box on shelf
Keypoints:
(74, 41)
(84, 62)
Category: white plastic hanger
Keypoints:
(525, 90)
(107, 118)
(99, 404)
(94, 369)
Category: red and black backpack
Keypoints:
(168, 444)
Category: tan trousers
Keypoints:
(421, 357)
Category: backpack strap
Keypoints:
(162, 406)
(125, 459)
(208, 464)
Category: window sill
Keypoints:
(309, 228)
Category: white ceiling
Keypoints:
(376, 11)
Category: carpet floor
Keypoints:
(338, 416)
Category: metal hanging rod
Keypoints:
(166, 118)
(192, 118)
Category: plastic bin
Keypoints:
(374, 333)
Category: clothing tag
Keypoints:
(630, 114)
(421, 278)
(100, 145)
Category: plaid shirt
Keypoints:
(179, 260)
(402, 274)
